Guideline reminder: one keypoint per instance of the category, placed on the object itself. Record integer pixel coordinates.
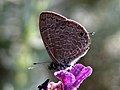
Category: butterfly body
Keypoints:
(66, 41)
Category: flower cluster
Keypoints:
(70, 80)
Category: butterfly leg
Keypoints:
(52, 66)
(44, 85)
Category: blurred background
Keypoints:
(21, 44)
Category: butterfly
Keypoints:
(65, 40)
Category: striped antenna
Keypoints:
(32, 67)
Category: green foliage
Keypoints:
(21, 44)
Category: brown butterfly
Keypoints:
(66, 41)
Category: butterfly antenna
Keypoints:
(32, 67)
(91, 33)
(40, 63)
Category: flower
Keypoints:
(70, 80)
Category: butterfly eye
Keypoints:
(81, 33)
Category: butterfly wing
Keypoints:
(65, 40)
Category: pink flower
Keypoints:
(70, 80)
